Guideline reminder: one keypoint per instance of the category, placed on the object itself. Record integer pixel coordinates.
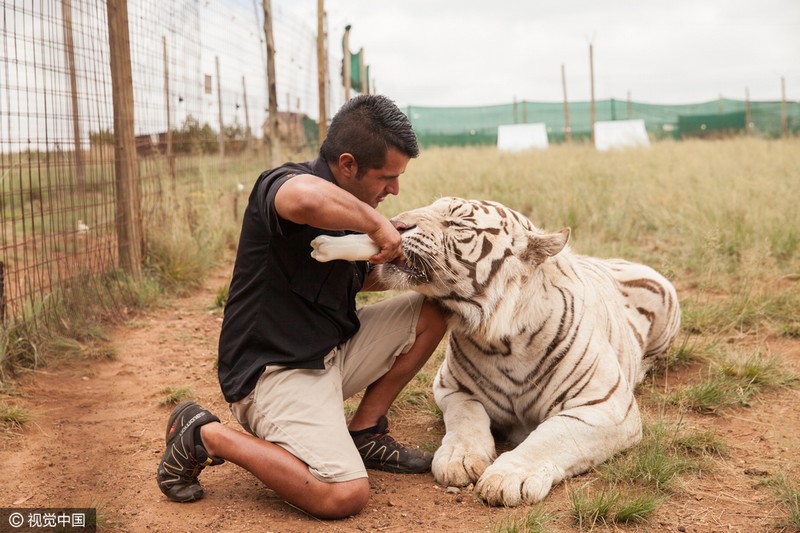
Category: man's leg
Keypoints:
(377, 399)
(302, 451)
(289, 476)
(285, 474)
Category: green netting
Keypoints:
(311, 133)
(461, 126)
(712, 125)
(355, 73)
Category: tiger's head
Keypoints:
(475, 257)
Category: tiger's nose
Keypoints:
(402, 226)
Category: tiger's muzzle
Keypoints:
(411, 266)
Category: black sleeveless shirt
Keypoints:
(284, 307)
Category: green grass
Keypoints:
(701, 444)
(732, 381)
(527, 520)
(790, 330)
(221, 297)
(70, 323)
(745, 310)
(660, 457)
(186, 236)
(174, 395)
(611, 504)
(631, 486)
(788, 493)
(14, 416)
(719, 218)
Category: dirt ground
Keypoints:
(98, 434)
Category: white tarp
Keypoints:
(515, 137)
(620, 134)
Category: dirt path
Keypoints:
(98, 434)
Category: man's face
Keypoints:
(377, 183)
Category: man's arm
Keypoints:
(307, 199)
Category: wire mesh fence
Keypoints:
(200, 113)
(200, 92)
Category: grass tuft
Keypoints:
(612, 504)
(177, 262)
(789, 494)
(175, 395)
(222, 297)
(14, 416)
(733, 382)
(590, 509)
(790, 330)
(636, 507)
(531, 520)
(633, 484)
(701, 444)
(654, 462)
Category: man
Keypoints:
(293, 345)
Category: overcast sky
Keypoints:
(475, 52)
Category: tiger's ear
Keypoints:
(540, 247)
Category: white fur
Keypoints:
(615, 317)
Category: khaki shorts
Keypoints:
(302, 410)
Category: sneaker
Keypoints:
(185, 456)
(380, 451)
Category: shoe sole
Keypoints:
(398, 470)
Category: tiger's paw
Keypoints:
(503, 487)
(458, 465)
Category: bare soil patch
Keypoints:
(98, 433)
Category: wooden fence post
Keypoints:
(322, 72)
(567, 128)
(514, 112)
(591, 75)
(362, 71)
(170, 155)
(748, 115)
(274, 140)
(219, 107)
(248, 132)
(2, 292)
(347, 63)
(784, 113)
(80, 166)
(128, 195)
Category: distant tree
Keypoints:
(192, 138)
(104, 136)
(234, 138)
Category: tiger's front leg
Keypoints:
(565, 445)
(468, 445)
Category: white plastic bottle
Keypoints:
(353, 247)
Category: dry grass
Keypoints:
(716, 217)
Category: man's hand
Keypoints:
(388, 240)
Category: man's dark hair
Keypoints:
(366, 127)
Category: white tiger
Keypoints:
(546, 346)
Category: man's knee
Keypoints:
(343, 499)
